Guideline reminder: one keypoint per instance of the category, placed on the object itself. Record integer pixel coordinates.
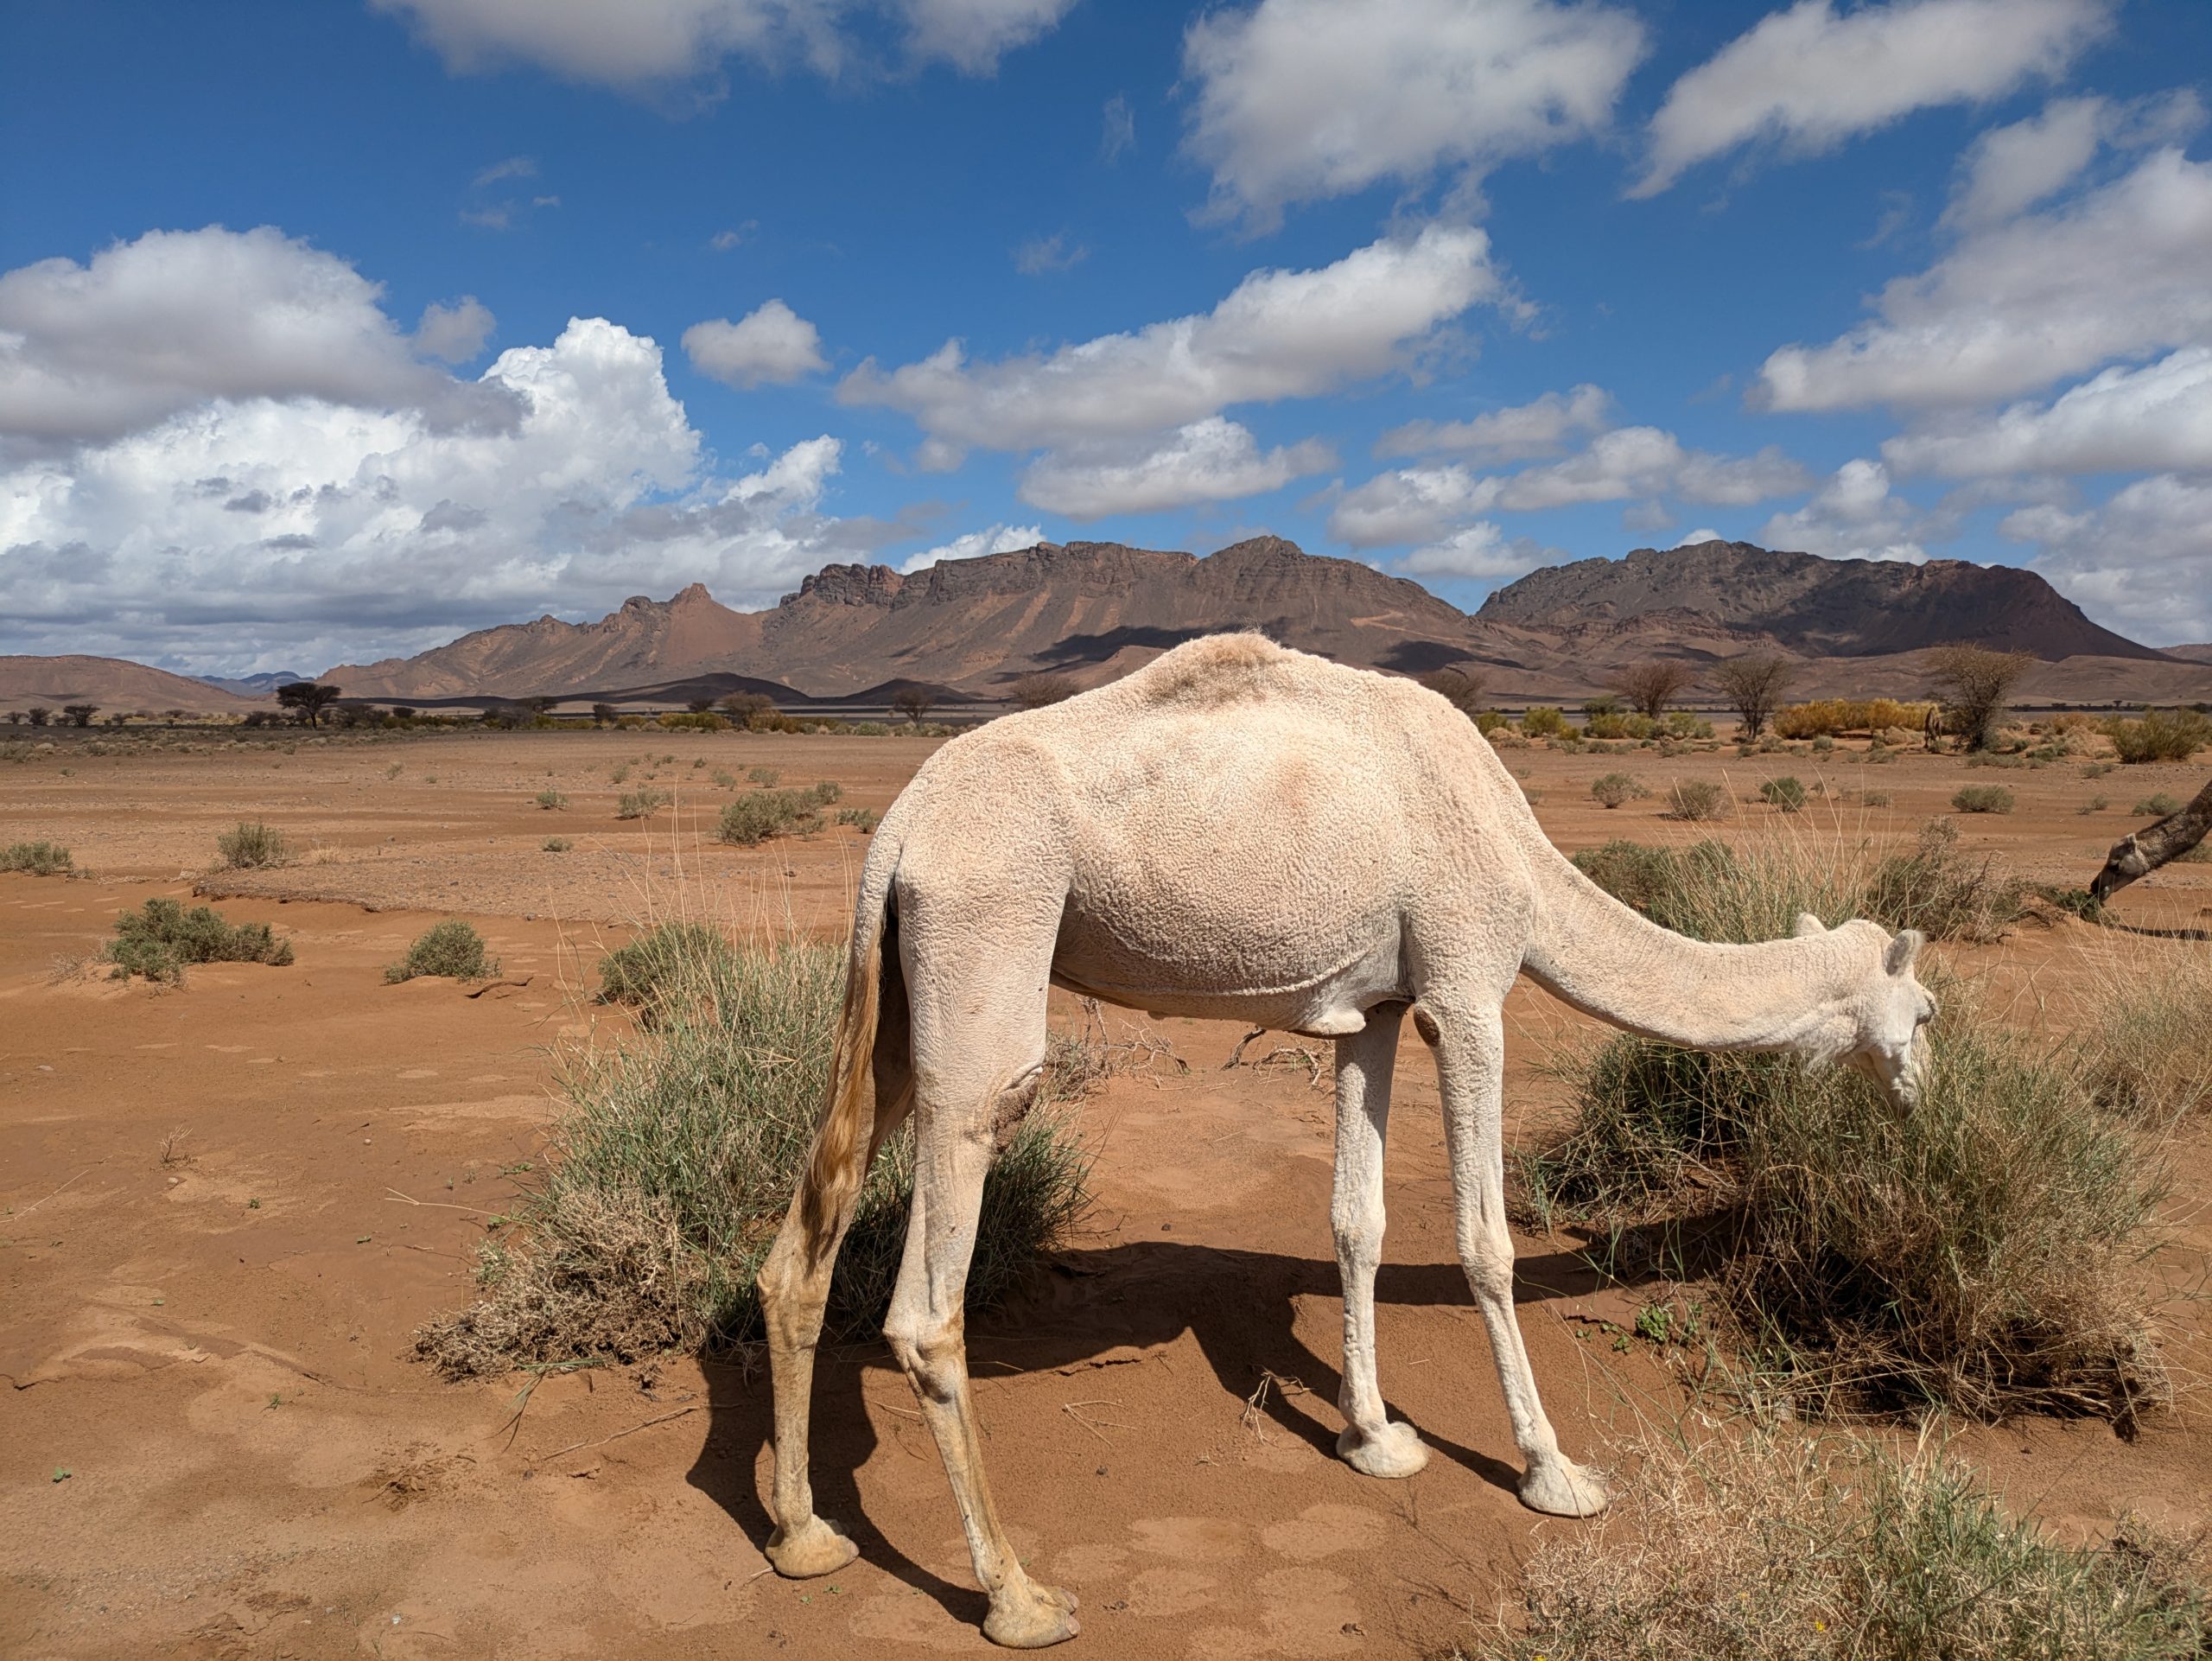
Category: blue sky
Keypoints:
(330, 330)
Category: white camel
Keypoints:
(1240, 831)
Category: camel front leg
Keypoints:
(1471, 1074)
(927, 1331)
(1369, 1443)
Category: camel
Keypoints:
(1241, 831)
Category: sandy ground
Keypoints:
(224, 1210)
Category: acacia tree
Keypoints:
(80, 715)
(1035, 691)
(1460, 686)
(40, 715)
(914, 703)
(308, 699)
(1975, 686)
(1753, 685)
(1650, 687)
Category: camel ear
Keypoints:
(1807, 926)
(1904, 950)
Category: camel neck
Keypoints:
(1611, 961)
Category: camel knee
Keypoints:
(1358, 1226)
(1488, 1258)
(931, 1352)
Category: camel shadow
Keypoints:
(1240, 1305)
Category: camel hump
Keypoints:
(1217, 669)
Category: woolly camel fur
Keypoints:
(1240, 831)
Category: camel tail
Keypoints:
(844, 1135)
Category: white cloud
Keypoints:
(1280, 334)
(1214, 459)
(515, 166)
(1809, 78)
(457, 332)
(999, 539)
(644, 42)
(1702, 534)
(2009, 170)
(1853, 516)
(2137, 562)
(2121, 421)
(1480, 549)
(1117, 129)
(1522, 433)
(1042, 256)
(1302, 99)
(771, 344)
(2117, 272)
(152, 326)
(1419, 503)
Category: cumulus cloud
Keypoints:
(1418, 503)
(1214, 459)
(2009, 170)
(644, 42)
(147, 329)
(1522, 433)
(1809, 78)
(2121, 421)
(999, 539)
(1480, 549)
(2137, 561)
(2116, 272)
(1854, 516)
(1280, 334)
(457, 332)
(1302, 99)
(772, 345)
(303, 529)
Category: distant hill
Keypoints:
(113, 684)
(252, 686)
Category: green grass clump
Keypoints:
(246, 847)
(642, 971)
(160, 939)
(1697, 799)
(1614, 788)
(862, 819)
(674, 1164)
(640, 804)
(1982, 1252)
(1983, 798)
(549, 799)
(759, 815)
(1773, 1546)
(452, 949)
(1545, 722)
(38, 858)
(1787, 793)
(2155, 807)
(767, 778)
(1944, 894)
(556, 845)
(2159, 736)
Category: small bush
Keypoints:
(159, 939)
(1983, 798)
(862, 819)
(2159, 806)
(768, 777)
(1759, 1547)
(759, 815)
(1787, 793)
(640, 804)
(39, 858)
(556, 844)
(1545, 722)
(695, 721)
(1874, 797)
(724, 778)
(640, 971)
(676, 1160)
(2094, 804)
(1615, 788)
(549, 799)
(1829, 717)
(1697, 799)
(1945, 894)
(248, 846)
(824, 793)
(452, 949)
(2159, 736)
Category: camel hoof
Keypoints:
(1031, 1619)
(1394, 1451)
(819, 1546)
(1563, 1488)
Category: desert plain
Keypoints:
(225, 1210)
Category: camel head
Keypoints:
(1882, 1019)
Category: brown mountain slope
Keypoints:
(1816, 607)
(113, 684)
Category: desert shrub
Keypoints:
(2159, 736)
(642, 970)
(452, 949)
(1614, 788)
(1766, 1546)
(768, 777)
(2094, 804)
(556, 845)
(825, 794)
(1874, 797)
(1829, 717)
(1787, 793)
(1697, 799)
(1982, 1252)
(1488, 721)
(39, 858)
(549, 799)
(160, 939)
(1545, 722)
(674, 1162)
(2159, 806)
(862, 819)
(1983, 798)
(1674, 887)
(640, 804)
(1944, 894)
(694, 721)
(1605, 723)
(248, 846)
(1680, 724)
(2146, 1054)
(757, 816)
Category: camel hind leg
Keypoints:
(795, 1292)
